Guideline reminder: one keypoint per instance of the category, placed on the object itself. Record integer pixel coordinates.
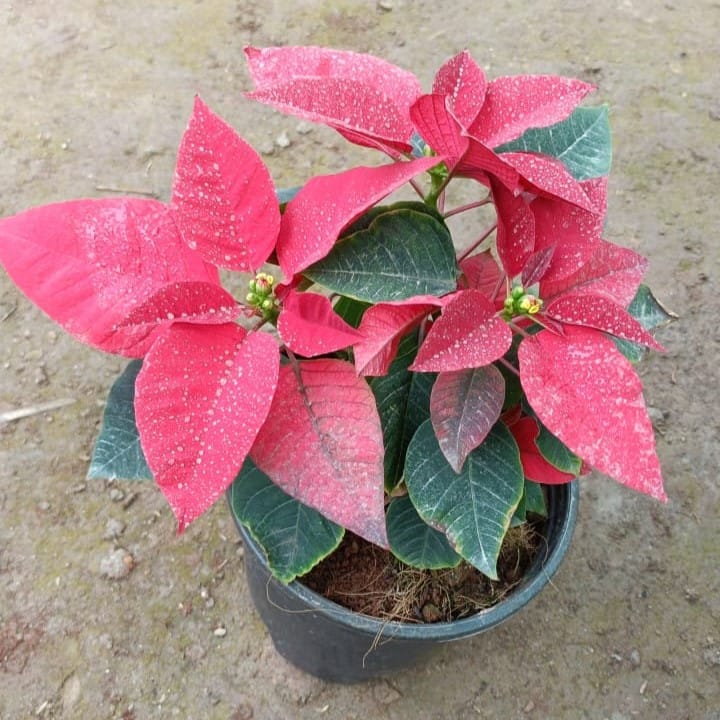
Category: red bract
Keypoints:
(309, 326)
(363, 97)
(111, 272)
(535, 466)
(567, 224)
(468, 334)
(223, 197)
(464, 405)
(518, 102)
(200, 399)
(383, 326)
(323, 445)
(588, 395)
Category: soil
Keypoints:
(369, 580)
(106, 614)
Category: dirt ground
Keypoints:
(104, 613)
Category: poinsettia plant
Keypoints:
(378, 374)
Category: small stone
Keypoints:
(113, 529)
(282, 140)
(244, 711)
(385, 694)
(635, 658)
(712, 657)
(656, 415)
(70, 693)
(220, 631)
(266, 148)
(117, 564)
(116, 494)
(303, 128)
(529, 707)
(385, 5)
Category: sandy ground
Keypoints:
(95, 95)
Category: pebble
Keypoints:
(282, 140)
(384, 693)
(266, 148)
(656, 415)
(113, 529)
(220, 631)
(635, 658)
(712, 657)
(117, 564)
(303, 128)
(385, 5)
(116, 495)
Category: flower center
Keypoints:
(261, 295)
(520, 302)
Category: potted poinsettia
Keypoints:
(381, 377)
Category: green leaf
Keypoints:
(369, 216)
(403, 253)
(117, 453)
(351, 311)
(533, 501)
(535, 498)
(414, 542)
(293, 536)
(556, 452)
(650, 313)
(473, 508)
(403, 401)
(285, 195)
(582, 142)
(648, 310)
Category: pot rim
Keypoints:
(560, 525)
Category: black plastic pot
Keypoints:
(339, 645)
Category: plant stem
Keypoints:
(416, 187)
(517, 329)
(465, 208)
(509, 366)
(477, 243)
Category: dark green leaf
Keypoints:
(351, 311)
(650, 313)
(556, 452)
(403, 253)
(582, 142)
(117, 453)
(413, 541)
(473, 508)
(367, 218)
(533, 501)
(535, 498)
(285, 195)
(293, 536)
(403, 400)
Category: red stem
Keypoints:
(476, 244)
(465, 208)
(509, 366)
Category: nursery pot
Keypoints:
(336, 644)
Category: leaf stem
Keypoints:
(465, 208)
(477, 243)
(517, 329)
(509, 366)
